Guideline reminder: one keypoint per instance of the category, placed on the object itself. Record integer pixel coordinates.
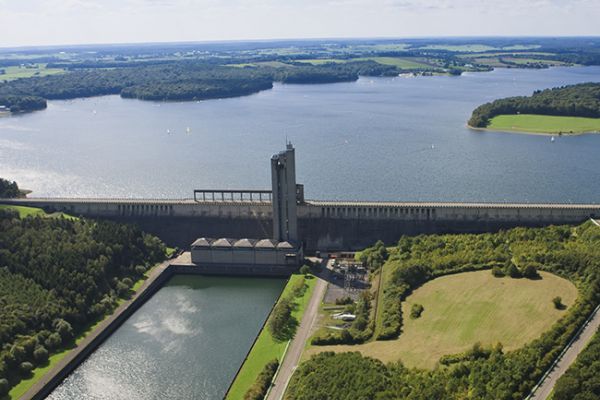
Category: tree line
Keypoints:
(8, 189)
(181, 81)
(480, 373)
(57, 276)
(581, 100)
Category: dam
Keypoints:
(285, 216)
(322, 225)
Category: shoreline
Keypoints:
(531, 133)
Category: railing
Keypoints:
(232, 195)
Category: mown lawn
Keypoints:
(266, 348)
(533, 123)
(462, 309)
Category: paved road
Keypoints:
(297, 345)
(544, 390)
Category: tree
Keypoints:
(513, 271)
(530, 272)
(305, 270)
(9, 189)
(558, 303)
(40, 354)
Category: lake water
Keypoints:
(374, 139)
(186, 342)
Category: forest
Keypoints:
(581, 100)
(180, 81)
(491, 373)
(57, 276)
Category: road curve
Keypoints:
(543, 391)
(297, 345)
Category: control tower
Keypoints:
(285, 195)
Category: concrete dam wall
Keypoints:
(322, 225)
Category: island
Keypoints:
(570, 110)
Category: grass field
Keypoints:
(16, 72)
(531, 123)
(266, 348)
(466, 308)
(33, 211)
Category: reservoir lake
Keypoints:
(393, 139)
(186, 342)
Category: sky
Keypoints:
(52, 22)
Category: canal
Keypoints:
(186, 342)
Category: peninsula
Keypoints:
(573, 109)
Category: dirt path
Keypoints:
(567, 358)
(297, 345)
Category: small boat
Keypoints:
(168, 131)
(188, 130)
(552, 139)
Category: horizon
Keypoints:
(36, 23)
(293, 39)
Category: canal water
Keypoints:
(374, 139)
(186, 342)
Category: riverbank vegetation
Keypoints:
(582, 100)
(269, 346)
(59, 276)
(488, 371)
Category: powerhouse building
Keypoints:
(280, 254)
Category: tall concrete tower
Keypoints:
(283, 174)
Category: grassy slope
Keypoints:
(544, 124)
(266, 348)
(466, 308)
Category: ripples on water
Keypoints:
(186, 342)
(374, 139)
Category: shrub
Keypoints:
(513, 271)
(530, 272)
(344, 300)
(40, 354)
(305, 270)
(26, 367)
(279, 323)
(64, 329)
(558, 303)
(259, 388)
(299, 287)
(416, 310)
(4, 387)
(497, 272)
(53, 341)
